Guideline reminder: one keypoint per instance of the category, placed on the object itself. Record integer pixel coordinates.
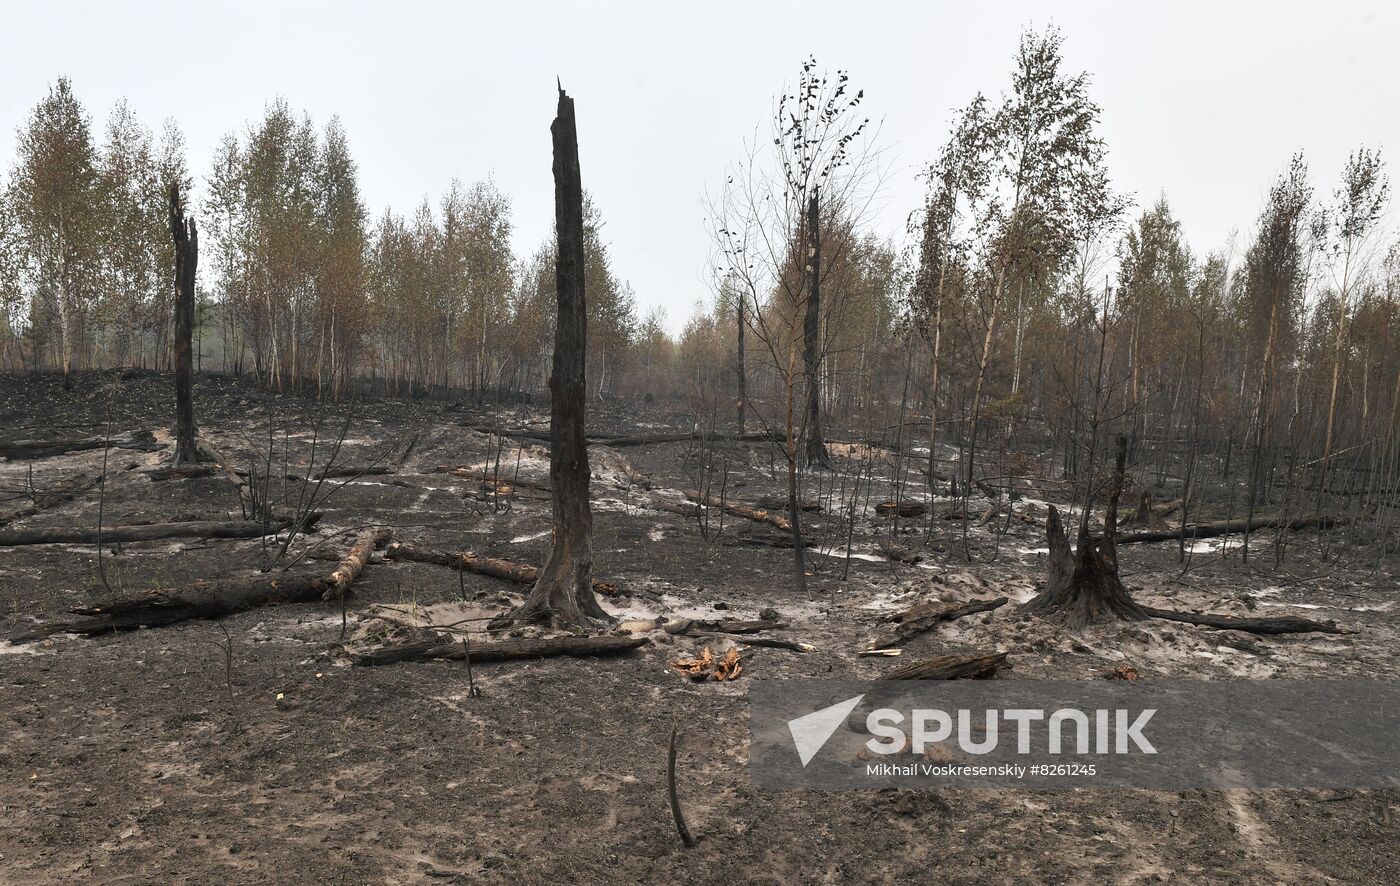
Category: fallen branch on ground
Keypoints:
(501, 650)
(338, 582)
(492, 567)
(950, 667)
(906, 509)
(150, 532)
(769, 642)
(928, 616)
(206, 599)
(738, 509)
(1227, 527)
(671, 792)
(1288, 624)
(723, 626)
(24, 449)
(202, 600)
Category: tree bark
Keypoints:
(186, 238)
(563, 594)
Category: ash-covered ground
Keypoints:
(250, 750)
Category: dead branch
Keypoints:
(1288, 624)
(928, 616)
(501, 650)
(151, 532)
(950, 667)
(492, 567)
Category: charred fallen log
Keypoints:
(738, 509)
(950, 667)
(492, 567)
(1288, 624)
(151, 532)
(211, 599)
(27, 449)
(1228, 527)
(350, 566)
(926, 617)
(501, 650)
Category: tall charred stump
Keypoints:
(814, 452)
(1083, 587)
(186, 261)
(563, 594)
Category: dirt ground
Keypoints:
(185, 754)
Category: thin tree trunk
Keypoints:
(815, 447)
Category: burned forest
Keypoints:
(346, 545)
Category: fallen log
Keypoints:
(350, 566)
(26, 449)
(1226, 527)
(722, 626)
(168, 606)
(768, 540)
(1287, 624)
(151, 532)
(950, 667)
(204, 599)
(928, 616)
(500, 650)
(493, 567)
(906, 509)
(769, 642)
(738, 509)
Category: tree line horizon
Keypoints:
(1026, 292)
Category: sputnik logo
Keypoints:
(811, 731)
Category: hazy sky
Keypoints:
(1202, 101)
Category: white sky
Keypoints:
(1205, 101)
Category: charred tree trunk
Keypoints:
(1083, 587)
(186, 260)
(815, 446)
(563, 593)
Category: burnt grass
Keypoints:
(182, 754)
